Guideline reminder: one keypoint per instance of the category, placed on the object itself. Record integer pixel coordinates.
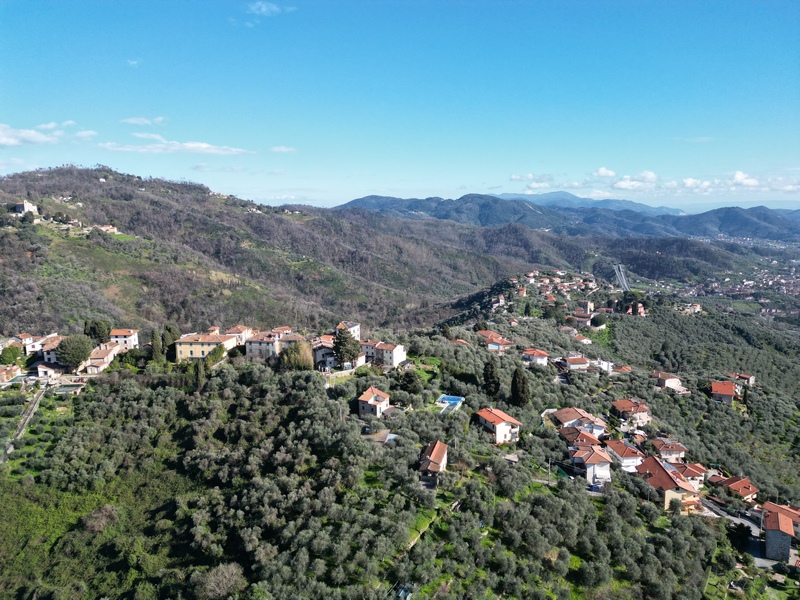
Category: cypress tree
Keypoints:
(520, 388)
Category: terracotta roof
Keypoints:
(568, 415)
(373, 395)
(792, 513)
(776, 521)
(210, 338)
(495, 416)
(590, 455)
(433, 456)
(534, 352)
(487, 333)
(662, 476)
(266, 336)
(282, 329)
(723, 388)
(626, 405)
(690, 469)
(346, 325)
(666, 445)
(740, 485)
(460, 342)
(577, 360)
(237, 329)
(623, 449)
(123, 332)
(575, 436)
(662, 375)
(385, 346)
(52, 343)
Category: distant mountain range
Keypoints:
(567, 200)
(563, 217)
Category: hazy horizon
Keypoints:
(323, 102)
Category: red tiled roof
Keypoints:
(433, 456)
(371, 393)
(792, 513)
(664, 445)
(495, 416)
(576, 436)
(623, 449)
(577, 360)
(662, 476)
(534, 352)
(590, 455)
(740, 485)
(776, 521)
(690, 469)
(626, 405)
(723, 388)
(123, 332)
(210, 338)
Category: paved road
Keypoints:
(754, 547)
(27, 415)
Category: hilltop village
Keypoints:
(625, 437)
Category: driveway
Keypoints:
(754, 546)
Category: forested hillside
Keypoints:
(195, 258)
(259, 483)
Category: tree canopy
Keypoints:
(74, 349)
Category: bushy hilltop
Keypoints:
(193, 257)
(253, 482)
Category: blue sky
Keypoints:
(683, 103)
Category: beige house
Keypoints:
(198, 345)
(373, 402)
(634, 411)
(504, 427)
(242, 333)
(669, 450)
(671, 484)
(100, 358)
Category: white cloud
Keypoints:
(264, 9)
(133, 62)
(647, 177)
(143, 121)
(69, 123)
(47, 126)
(599, 194)
(283, 149)
(603, 172)
(202, 167)
(572, 185)
(537, 185)
(536, 182)
(17, 137)
(646, 180)
(86, 134)
(743, 179)
(163, 146)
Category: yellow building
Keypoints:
(201, 345)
